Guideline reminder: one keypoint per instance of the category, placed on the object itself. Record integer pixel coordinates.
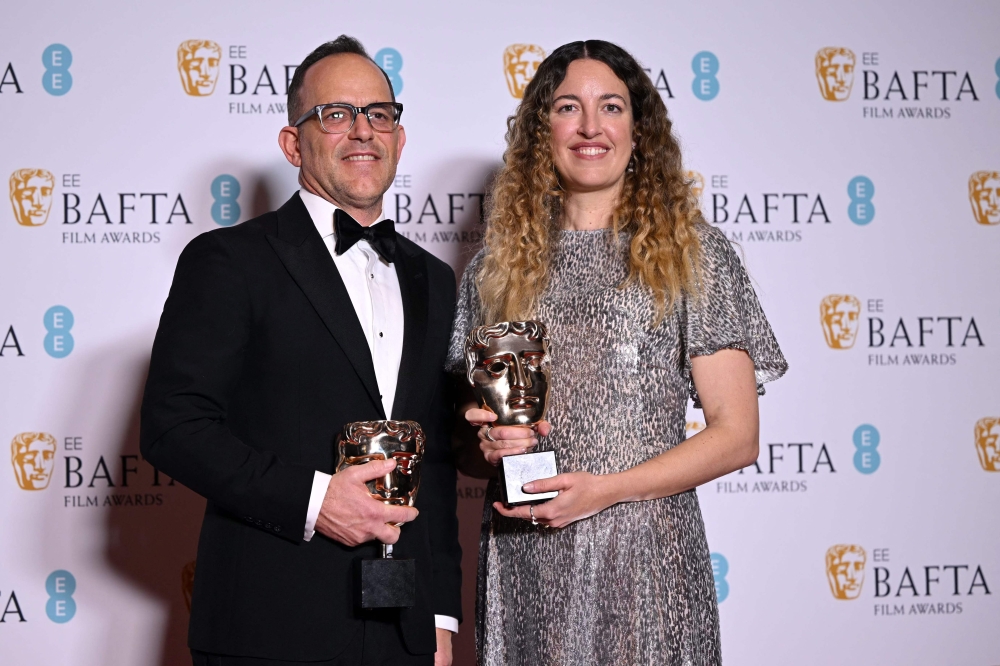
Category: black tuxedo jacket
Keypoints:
(258, 363)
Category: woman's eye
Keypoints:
(613, 108)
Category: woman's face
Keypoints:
(591, 122)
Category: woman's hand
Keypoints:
(581, 495)
(497, 442)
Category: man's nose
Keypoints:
(362, 129)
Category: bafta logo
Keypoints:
(520, 62)
(697, 183)
(839, 314)
(988, 443)
(33, 455)
(845, 570)
(187, 583)
(198, 63)
(31, 195)
(984, 195)
(835, 73)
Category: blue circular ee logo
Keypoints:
(60, 586)
(391, 62)
(866, 441)
(58, 321)
(861, 210)
(705, 66)
(225, 209)
(720, 567)
(57, 80)
(996, 68)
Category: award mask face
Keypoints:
(402, 441)
(507, 365)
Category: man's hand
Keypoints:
(443, 655)
(350, 515)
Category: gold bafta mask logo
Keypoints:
(198, 62)
(984, 195)
(697, 183)
(187, 583)
(835, 72)
(520, 62)
(839, 314)
(31, 195)
(988, 443)
(845, 570)
(33, 455)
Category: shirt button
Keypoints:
(371, 275)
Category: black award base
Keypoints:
(515, 471)
(386, 582)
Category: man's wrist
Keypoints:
(446, 622)
(321, 481)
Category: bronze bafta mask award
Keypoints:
(386, 582)
(507, 365)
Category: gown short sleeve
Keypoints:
(727, 315)
(467, 317)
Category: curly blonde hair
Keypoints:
(656, 206)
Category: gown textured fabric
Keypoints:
(632, 584)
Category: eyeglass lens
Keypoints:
(337, 119)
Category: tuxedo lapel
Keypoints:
(411, 270)
(301, 249)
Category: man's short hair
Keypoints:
(343, 44)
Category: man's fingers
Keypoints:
(372, 470)
(387, 533)
(558, 482)
(400, 514)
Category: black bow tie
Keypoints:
(381, 236)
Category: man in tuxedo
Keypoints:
(275, 334)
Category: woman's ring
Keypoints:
(531, 510)
(488, 433)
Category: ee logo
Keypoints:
(861, 210)
(60, 586)
(720, 567)
(996, 68)
(57, 80)
(705, 66)
(225, 190)
(391, 62)
(866, 440)
(58, 321)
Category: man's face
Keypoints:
(840, 322)
(33, 464)
(838, 76)
(522, 64)
(512, 379)
(32, 201)
(988, 443)
(353, 169)
(201, 70)
(986, 201)
(847, 573)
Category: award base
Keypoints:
(386, 583)
(515, 471)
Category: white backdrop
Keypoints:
(882, 440)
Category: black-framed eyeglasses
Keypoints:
(338, 117)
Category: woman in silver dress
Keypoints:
(593, 229)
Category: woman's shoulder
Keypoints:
(715, 248)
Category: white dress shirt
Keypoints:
(373, 286)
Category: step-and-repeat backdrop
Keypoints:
(851, 150)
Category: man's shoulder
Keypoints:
(436, 267)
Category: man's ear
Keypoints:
(402, 142)
(288, 141)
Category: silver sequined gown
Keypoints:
(633, 584)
